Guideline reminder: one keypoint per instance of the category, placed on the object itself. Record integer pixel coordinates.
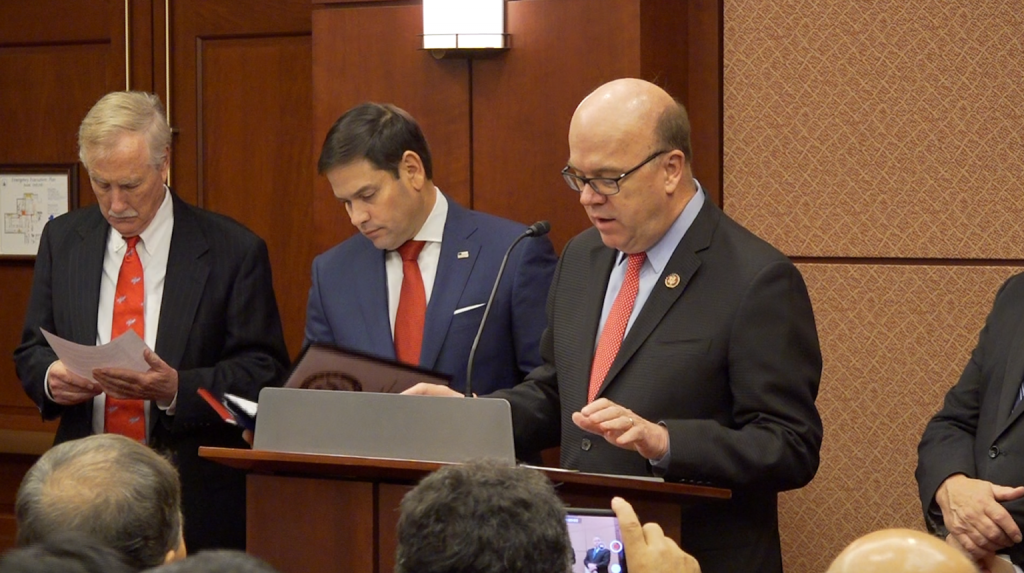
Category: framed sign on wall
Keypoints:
(31, 195)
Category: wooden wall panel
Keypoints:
(52, 70)
(193, 21)
(704, 91)
(42, 22)
(256, 163)
(241, 99)
(13, 468)
(371, 53)
(17, 284)
(524, 99)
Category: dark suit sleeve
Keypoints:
(536, 408)
(317, 328)
(774, 368)
(532, 280)
(247, 355)
(947, 445)
(34, 356)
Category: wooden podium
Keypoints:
(308, 513)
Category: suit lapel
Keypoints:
(86, 269)
(188, 267)
(449, 281)
(372, 297)
(598, 264)
(1011, 382)
(684, 262)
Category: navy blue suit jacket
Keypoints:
(348, 301)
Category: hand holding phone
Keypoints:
(596, 541)
(647, 548)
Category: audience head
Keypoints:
(901, 551)
(629, 158)
(110, 487)
(66, 552)
(483, 517)
(217, 561)
(379, 167)
(124, 143)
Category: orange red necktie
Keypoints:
(128, 417)
(412, 305)
(615, 325)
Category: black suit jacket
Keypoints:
(600, 557)
(728, 360)
(975, 433)
(219, 327)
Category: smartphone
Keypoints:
(596, 541)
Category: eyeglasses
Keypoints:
(603, 185)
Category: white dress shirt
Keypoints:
(432, 232)
(154, 247)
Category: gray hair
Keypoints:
(217, 561)
(125, 112)
(110, 487)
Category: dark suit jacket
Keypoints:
(219, 327)
(975, 432)
(728, 360)
(348, 302)
(599, 556)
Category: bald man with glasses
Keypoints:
(678, 343)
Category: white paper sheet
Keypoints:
(125, 351)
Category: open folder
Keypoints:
(323, 367)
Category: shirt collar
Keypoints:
(158, 230)
(433, 228)
(660, 253)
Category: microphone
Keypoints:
(538, 229)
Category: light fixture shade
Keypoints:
(463, 24)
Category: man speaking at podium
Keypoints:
(413, 284)
(678, 343)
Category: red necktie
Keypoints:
(128, 417)
(412, 305)
(615, 325)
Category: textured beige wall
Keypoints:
(863, 134)
(876, 128)
(894, 338)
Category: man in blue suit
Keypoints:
(379, 166)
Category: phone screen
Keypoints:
(596, 541)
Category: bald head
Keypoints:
(629, 158)
(632, 110)
(901, 551)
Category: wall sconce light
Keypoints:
(464, 27)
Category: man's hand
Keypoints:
(974, 517)
(428, 389)
(68, 388)
(647, 548)
(159, 383)
(622, 428)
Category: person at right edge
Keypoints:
(969, 466)
(678, 343)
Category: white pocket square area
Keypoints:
(467, 309)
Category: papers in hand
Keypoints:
(125, 351)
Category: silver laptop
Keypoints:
(392, 426)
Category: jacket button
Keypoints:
(585, 446)
(993, 452)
